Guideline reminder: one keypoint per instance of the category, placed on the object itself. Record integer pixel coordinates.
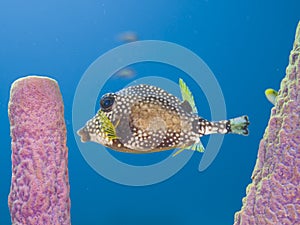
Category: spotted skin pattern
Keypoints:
(148, 119)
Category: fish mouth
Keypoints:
(84, 134)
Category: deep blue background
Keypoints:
(245, 43)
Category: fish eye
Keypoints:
(106, 102)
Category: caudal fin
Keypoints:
(239, 125)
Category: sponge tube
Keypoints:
(273, 197)
(39, 192)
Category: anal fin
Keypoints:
(194, 147)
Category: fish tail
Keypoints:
(238, 125)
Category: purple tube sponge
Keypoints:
(39, 192)
(273, 197)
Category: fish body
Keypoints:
(126, 73)
(271, 95)
(128, 36)
(145, 118)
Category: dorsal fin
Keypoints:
(186, 106)
(187, 95)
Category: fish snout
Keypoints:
(84, 134)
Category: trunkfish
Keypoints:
(145, 119)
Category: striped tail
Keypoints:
(238, 125)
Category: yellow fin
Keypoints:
(107, 127)
(179, 151)
(187, 95)
(195, 147)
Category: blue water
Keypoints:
(246, 45)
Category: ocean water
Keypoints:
(245, 44)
